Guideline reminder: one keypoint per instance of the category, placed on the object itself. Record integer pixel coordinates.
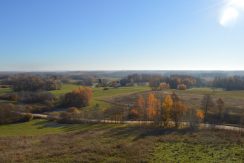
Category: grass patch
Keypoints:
(65, 89)
(196, 152)
(44, 127)
(5, 90)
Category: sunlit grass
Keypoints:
(43, 127)
(5, 90)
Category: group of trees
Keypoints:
(155, 80)
(159, 109)
(34, 83)
(9, 114)
(79, 97)
(35, 97)
(229, 83)
(181, 82)
(215, 107)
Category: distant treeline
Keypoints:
(229, 83)
(155, 80)
(33, 83)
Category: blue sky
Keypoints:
(38, 35)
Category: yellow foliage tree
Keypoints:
(166, 109)
(178, 109)
(141, 107)
(200, 115)
(152, 104)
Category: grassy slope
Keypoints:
(32, 128)
(116, 143)
(39, 128)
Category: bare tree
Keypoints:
(207, 103)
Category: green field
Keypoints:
(65, 89)
(40, 128)
(99, 94)
(5, 90)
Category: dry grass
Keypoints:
(110, 143)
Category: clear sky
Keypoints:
(45, 35)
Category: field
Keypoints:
(41, 141)
(99, 94)
(234, 100)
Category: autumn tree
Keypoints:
(207, 103)
(134, 114)
(152, 106)
(195, 117)
(181, 87)
(141, 107)
(177, 112)
(178, 109)
(200, 115)
(163, 86)
(166, 109)
(79, 97)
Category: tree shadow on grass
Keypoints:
(139, 132)
(71, 127)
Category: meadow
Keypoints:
(42, 141)
(99, 94)
(45, 141)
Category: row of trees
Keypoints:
(173, 81)
(216, 107)
(34, 83)
(229, 83)
(161, 110)
(9, 114)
